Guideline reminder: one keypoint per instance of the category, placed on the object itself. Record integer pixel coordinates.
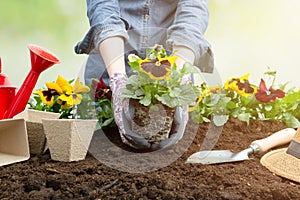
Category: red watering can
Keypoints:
(11, 104)
(7, 92)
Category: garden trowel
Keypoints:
(281, 137)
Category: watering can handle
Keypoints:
(21, 99)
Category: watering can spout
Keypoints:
(41, 59)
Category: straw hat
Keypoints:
(285, 162)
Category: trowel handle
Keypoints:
(278, 138)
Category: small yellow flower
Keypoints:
(206, 92)
(192, 108)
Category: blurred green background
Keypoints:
(56, 25)
(246, 36)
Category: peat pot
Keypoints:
(34, 126)
(68, 139)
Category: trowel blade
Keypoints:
(219, 156)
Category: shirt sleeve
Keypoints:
(190, 24)
(105, 21)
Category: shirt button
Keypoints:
(145, 39)
(146, 17)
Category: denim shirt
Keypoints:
(144, 23)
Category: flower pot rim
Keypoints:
(69, 120)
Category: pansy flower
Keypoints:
(65, 95)
(241, 86)
(48, 96)
(65, 100)
(158, 68)
(60, 96)
(63, 84)
(100, 89)
(77, 89)
(266, 95)
(72, 94)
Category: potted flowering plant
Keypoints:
(68, 137)
(155, 90)
(59, 97)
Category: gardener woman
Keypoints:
(121, 27)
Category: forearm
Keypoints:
(112, 51)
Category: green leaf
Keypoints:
(291, 121)
(175, 92)
(146, 100)
(291, 101)
(188, 68)
(214, 99)
(107, 122)
(139, 92)
(231, 105)
(220, 120)
(244, 117)
(134, 65)
(186, 96)
(268, 107)
(205, 119)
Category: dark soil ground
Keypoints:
(113, 176)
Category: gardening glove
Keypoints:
(118, 81)
(138, 142)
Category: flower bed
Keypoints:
(42, 178)
(238, 98)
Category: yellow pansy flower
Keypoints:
(78, 87)
(158, 69)
(66, 101)
(77, 99)
(241, 86)
(63, 84)
(54, 86)
(46, 96)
